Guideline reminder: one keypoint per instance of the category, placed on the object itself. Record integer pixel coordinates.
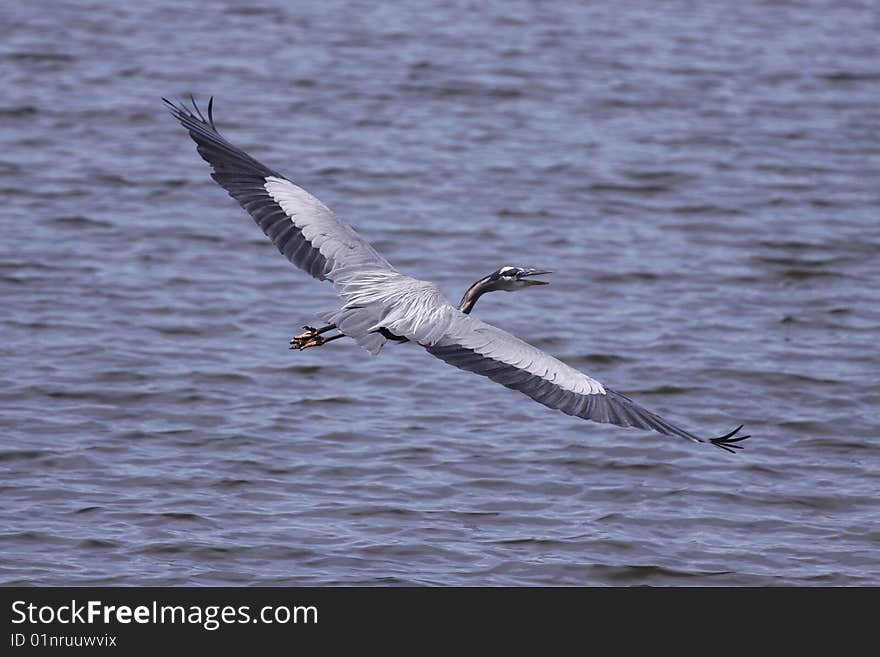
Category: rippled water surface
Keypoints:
(704, 179)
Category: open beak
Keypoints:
(534, 272)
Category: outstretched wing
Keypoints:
(478, 347)
(305, 230)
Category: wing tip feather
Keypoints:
(728, 443)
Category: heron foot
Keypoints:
(310, 331)
(313, 337)
(308, 339)
(305, 343)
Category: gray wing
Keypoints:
(478, 347)
(301, 227)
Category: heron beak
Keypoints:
(534, 272)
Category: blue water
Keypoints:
(703, 178)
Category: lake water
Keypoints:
(704, 178)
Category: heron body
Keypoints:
(383, 304)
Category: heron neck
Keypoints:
(473, 293)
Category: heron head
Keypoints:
(507, 278)
(514, 278)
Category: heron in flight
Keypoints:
(382, 304)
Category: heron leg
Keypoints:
(310, 331)
(312, 337)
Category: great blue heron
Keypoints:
(382, 304)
